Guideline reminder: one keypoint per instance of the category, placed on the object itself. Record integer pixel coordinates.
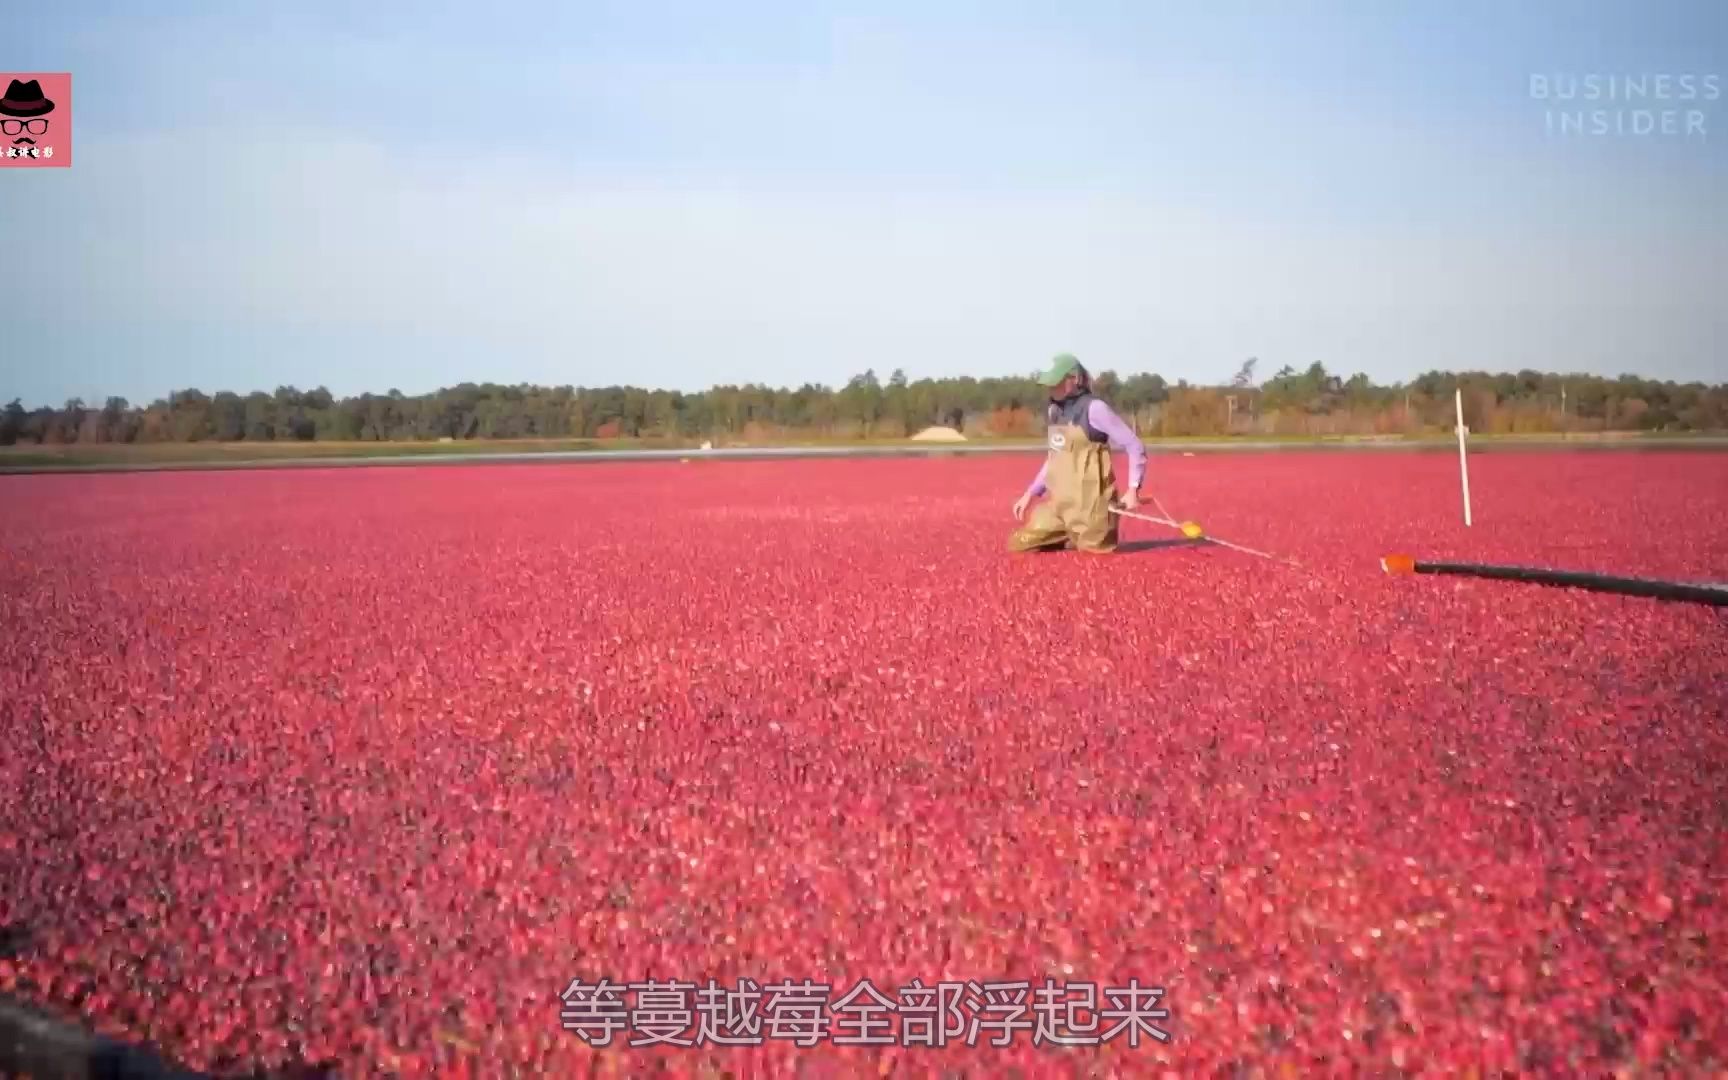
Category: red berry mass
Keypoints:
(366, 766)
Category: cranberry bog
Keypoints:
(365, 768)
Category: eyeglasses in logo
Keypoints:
(28, 135)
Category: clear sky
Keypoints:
(407, 195)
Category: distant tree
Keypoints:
(12, 422)
(1141, 390)
(862, 400)
(37, 426)
(227, 417)
(66, 425)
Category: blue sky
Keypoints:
(392, 195)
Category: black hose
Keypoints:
(1625, 586)
(37, 1045)
(32, 1044)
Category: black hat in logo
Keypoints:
(25, 99)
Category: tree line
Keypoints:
(1312, 401)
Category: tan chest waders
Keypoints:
(1081, 482)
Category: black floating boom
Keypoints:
(1715, 595)
(35, 1044)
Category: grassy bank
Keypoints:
(28, 457)
(215, 453)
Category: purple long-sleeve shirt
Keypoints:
(1122, 437)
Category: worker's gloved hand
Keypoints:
(1128, 500)
(1020, 506)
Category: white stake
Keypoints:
(1463, 466)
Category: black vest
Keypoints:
(1074, 410)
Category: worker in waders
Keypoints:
(1078, 472)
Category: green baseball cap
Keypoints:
(1060, 368)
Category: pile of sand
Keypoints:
(938, 434)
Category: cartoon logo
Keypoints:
(36, 121)
(1058, 440)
